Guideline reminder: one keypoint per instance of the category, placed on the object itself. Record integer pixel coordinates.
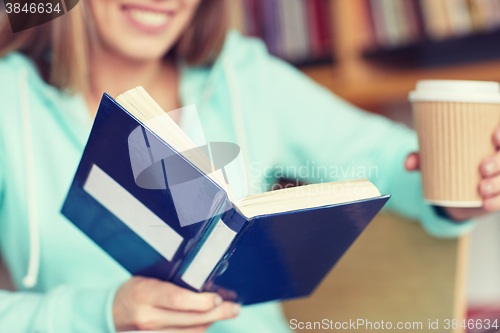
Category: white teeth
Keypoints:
(148, 17)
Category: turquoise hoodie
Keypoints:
(281, 119)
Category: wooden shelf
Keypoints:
(379, 86)
(457, 50)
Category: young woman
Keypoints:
(51, 80)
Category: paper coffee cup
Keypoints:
(455, 121)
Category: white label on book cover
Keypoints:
(209, 255)
(133, 213)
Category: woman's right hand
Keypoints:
(153, 305)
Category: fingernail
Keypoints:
(236, 309)
(497, 136)
(218, 300)
(487, 188)
(490, 167)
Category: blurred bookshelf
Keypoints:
(298, 31)
(376, 50)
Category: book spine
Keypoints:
(442, 20)
(400, 13)
(458, 14)
(431, 18)
(379, 23)
(390, 22)
(495, 16)
(205, 257)
(237, 19)
(419, 19)
(370, 22)
(271, 31)
(410, 20)
(323, 15)
(366, 34)
(293, 18)
(313, 27)
(223, 263)
(252, 27)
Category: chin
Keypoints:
(145, 53)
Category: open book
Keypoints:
(157, 204)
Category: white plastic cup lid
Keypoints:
(456, 91)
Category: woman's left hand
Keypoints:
(488, 187)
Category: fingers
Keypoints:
(194, 329)
(170, 296)
(226, 310)
(150, 318)
(489, 186)
(490, 166)
(461, 214)
(154, 318)
(153, 305)
(496, 138)
(491, 204)
(412, 162)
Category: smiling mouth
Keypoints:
(149, 18)
(150, 21)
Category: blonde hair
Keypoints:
(68, 38)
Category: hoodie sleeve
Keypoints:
(63, 309)
(69, 309)
(333, 139)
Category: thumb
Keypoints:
(412, 162)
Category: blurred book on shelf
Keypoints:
(401, 22)
(433, 32)
(298, 31)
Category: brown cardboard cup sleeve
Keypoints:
(455, 121)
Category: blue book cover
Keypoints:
(160, 216)
(138, 226)
(286, 255)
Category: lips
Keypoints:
(148, 20)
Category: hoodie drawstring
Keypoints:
(239, 126)
(30, 280)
